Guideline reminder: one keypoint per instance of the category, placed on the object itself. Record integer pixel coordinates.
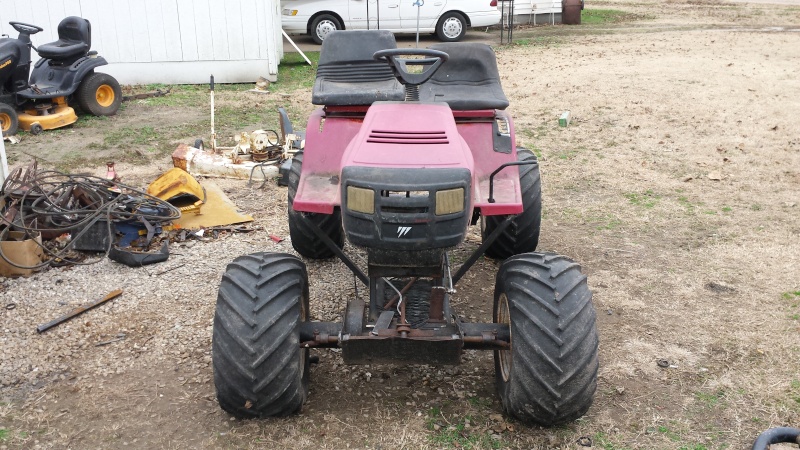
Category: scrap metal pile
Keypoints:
(63, 214)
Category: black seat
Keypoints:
(469, 80)
(347, 74)
(74, 40)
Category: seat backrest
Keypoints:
(469, 80)
(75, 29)
(348, 75)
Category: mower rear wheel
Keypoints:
(522, 234)
(100, 94)
(259, 368)
(303, 238)
(549, 375)
(9, 120)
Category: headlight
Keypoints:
(289, 12)
(449, 201)
(361, 200)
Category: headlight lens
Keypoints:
(449, 201)
(361, 200)
(289, 12)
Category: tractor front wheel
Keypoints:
(522, 234)
(303, 238)
(259, 368)
(549, 375)
(9, 120)
(100, 94)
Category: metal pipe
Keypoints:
(482, 249)
(403, 291)
(77, 311)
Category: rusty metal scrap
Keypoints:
(77, 311)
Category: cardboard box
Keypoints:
(21, 251)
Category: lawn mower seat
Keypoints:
(347, 74)
(469, 80)
(74, 40)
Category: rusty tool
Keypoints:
(77, 311)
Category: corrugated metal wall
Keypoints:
(167, 41)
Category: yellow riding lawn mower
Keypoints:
(65, 72)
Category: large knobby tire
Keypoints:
(522, 234)
(549, 375)
(303, 238)
(259, 368)
(323, 25)
(9, 120)
(452, 27)
(100, 94)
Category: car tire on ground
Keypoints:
(451, 27)
(549, 375)
(522, 234)
(322, 25)
(99, 94)
(304, 241)
(259, 368)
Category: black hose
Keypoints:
(777, 436)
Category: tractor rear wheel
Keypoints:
(9, 120)
(303, 238)
(522, 234)
(100, 94)
(259, 368)
(549, 375)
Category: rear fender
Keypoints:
(64, 79)
(479, 129)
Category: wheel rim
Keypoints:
(105, 96)
(324, 28)
(504, 317)
(452, 28)
(5, 122)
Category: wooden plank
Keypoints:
(250, 26)
(154, 17)
(140, 40)
(186, 23)
(119, 16)
(172, 30)
(219, 30)
(234, 21)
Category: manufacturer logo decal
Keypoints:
(402, 231)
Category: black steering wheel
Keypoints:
(26, 28)
(432, 60)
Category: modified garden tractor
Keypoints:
(65, 71)
(410, 148)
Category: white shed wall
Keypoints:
(167, 41)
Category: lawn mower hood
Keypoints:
(406, 181)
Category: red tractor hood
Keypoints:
(396, 134)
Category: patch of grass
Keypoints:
(648, 199)
(710, 399)
(727, 209)
(4, 434)
(790, 295)
(605, 222)
(673, 436)
(295, 73)
(606, 16)
(602, 441)
(458, 434)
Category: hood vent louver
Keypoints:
(408, 137)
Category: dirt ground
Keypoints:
(676, 186)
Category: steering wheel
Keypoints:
(432, 60)
(26, 28)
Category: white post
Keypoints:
(3, 161)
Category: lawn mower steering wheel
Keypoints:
(432, 60)
(26, 28)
